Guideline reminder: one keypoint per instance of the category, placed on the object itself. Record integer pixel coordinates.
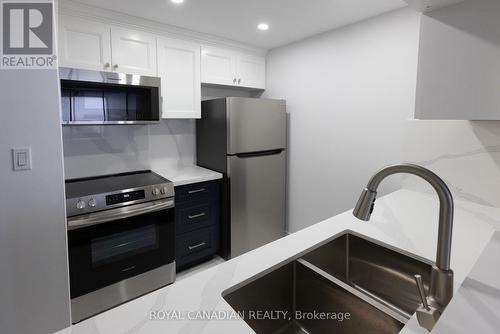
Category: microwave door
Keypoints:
(66, 105)
(115, 103)
(94, 98)
(87, 106)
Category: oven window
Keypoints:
(123, 244)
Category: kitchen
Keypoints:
(325, 94)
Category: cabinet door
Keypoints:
(218, 66)
(179, 70)
(134, 52)
(84, 44)
(251, 71)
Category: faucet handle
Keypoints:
(427, 315)
(420, 287)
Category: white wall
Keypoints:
(348, 93)
(353, 90)
(34, 287)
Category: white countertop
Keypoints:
(404, 219)
(187, 174)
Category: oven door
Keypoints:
(110, 246)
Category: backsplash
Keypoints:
(100, 150)
(465, 154)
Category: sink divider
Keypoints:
(347, 238)
(359, 292)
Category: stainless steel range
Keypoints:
(120, 237)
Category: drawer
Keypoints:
(195, 246)
(192, 216)
(197, 191)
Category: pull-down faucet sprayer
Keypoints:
(441, 287)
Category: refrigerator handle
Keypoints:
(259, 154)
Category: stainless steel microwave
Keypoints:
(107, 98)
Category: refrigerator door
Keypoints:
(257, 195)
(255, 125)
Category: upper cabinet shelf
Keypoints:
(430, 5)
(459, 63)
(230, 68)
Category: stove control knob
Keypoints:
(164, 190)
(92, 203)
(80, 205)
(156, 191)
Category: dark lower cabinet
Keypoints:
(197, 217)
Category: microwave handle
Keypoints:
(118, 213)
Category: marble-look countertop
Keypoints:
(404, 219)
(187, 174)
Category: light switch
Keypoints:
(21, 158)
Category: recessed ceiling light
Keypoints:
(263, 26)
(177, 1)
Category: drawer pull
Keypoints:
(197, 216)
(197, 245)
(196, 191)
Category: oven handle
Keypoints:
(118, 213)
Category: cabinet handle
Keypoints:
(234, 80)
(239, 80)
(197, 216)
(197, 245)
(196, 191)
(107, 65)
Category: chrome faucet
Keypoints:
(441, 286)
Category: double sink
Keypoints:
(349, 284)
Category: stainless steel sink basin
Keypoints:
(349, 275)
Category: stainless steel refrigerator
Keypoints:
(246, 140)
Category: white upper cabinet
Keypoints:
(431, 5)
(218, 66)
(229, 68)
(133, 51)
(251, 71)
(97, 46)
(459, 71)
(84, 45)
(179, 69)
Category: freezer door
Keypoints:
(257, 197)
(255, 125)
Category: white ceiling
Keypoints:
(289, 20)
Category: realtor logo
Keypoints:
(27, 35)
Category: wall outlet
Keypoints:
(21, 158)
